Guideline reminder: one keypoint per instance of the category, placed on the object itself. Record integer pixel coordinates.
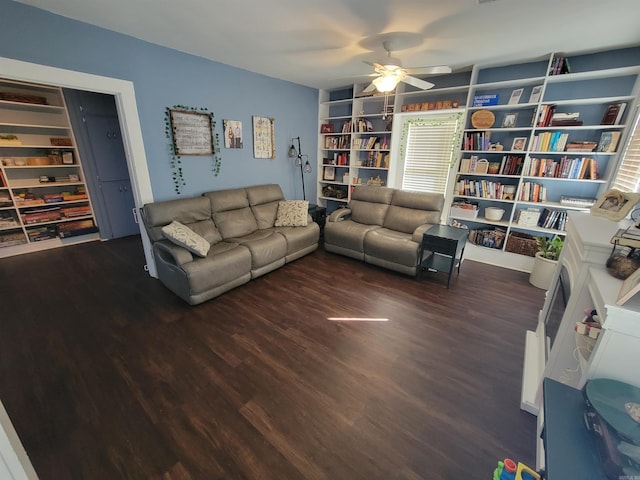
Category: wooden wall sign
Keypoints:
(192, 133)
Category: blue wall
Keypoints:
(162, 78)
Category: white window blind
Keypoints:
(429, 143)
(628, 176)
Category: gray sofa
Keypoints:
(383, 226)
(244, 243)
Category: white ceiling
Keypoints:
(315, 42)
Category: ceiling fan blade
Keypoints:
(435, 69)
(373, 64)
(416, 82)
(370, 88)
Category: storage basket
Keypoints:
(522, 244)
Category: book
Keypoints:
(608, 142)
(613, 114)
(484, 100)
(536, 93)
(515, 96)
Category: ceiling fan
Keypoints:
(389, 73)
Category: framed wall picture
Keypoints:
(192, 132)
(519, 144)
(264, 137)
(615, 205)
(232, 134)
(329, 173)
(509, 120)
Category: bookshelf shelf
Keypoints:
(600, 81)
(40, 191)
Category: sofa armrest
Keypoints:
(339, 215)
(172, 253)
(419, 232)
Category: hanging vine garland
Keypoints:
(190, 131)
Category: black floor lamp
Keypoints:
(302, 161)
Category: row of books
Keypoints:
(50, 214)
(340, 142)
(340, 159)
(614, 113)
(559, 66)
(533, 192)
(550, 142)
(509, 165)
(376, 160)
(476, 141)
(578, 168)
(488, 237)
(485, 189)
(366, 143)
(553, 219)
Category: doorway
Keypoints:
(94, 118)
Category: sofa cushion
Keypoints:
(235, 223)
(409, 210)
(369, 204)
(187, 238)
(264, 200)
(392, 246)
(266, 246)
(195, 213)
(292, 213)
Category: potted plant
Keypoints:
(546, 260)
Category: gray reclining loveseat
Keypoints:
(383, 226)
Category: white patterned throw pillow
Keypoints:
(185, 237)
(292, 213)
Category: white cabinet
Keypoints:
(573, 358)
(43, 199)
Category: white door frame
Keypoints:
(124, 94)
(13, 458)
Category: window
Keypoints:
(428, 144)
(627, 178)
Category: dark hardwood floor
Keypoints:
(107, 375)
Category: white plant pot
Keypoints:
(542, 272)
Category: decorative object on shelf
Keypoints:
(9, 139)
(580, 146)
(264, 137)
(329, 173)
(191, 132)
(302, 161)
(615, 205)
(23, 98)
(515, 96)
(613, 114)
(232, 133)
(485, 100)
(608, 142)
(326, 128)
(509, 120)
(493, 213)
(519, 144)
(546, 260)
(630, 287)
(483, 119)
(536, 93)
(61, 142)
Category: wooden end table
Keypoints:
(446, 245)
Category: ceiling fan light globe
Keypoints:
(386, 83)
